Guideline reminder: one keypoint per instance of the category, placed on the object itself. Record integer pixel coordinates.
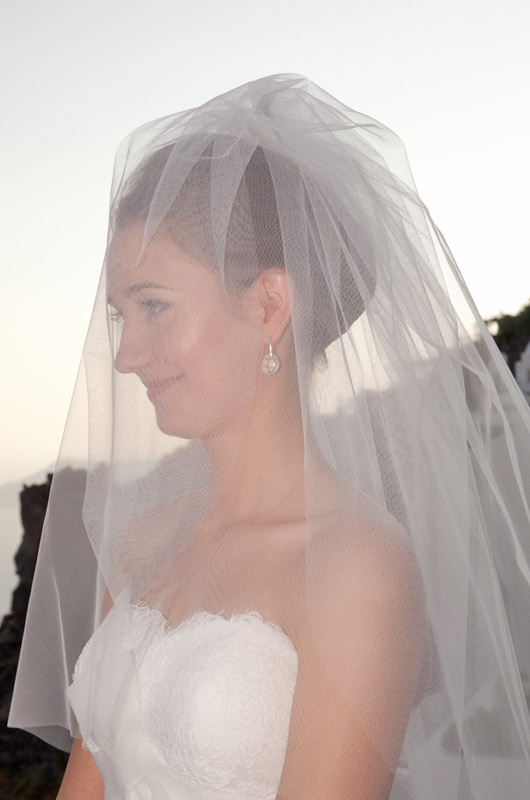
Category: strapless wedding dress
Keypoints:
(196, 712)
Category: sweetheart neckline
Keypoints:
(164, 630)
(170, 630)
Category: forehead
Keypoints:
(157, 262)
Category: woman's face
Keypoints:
(195, 350)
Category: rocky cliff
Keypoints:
(29, 768)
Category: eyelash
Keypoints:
(153, 308)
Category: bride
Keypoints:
(300, 569)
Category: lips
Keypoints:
(157, 388)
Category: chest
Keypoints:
(237, 571)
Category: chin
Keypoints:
(179, 425)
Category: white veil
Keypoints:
(412, 547)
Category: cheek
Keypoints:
(217, 357)
(194, 340)
(221, 352)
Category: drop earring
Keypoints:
(271, 363)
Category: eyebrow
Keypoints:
(135, 288)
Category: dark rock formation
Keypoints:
(513, 334)
(513, 349)
(30, 769)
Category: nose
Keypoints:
(133, 351)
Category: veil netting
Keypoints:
(289, 406)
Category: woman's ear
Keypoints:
(275, 296)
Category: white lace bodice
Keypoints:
(196, 712)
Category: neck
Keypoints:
(258, 466)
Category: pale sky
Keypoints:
(451, 77)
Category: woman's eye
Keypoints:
(154, 307)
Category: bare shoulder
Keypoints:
(367, 566)
(357, 525)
